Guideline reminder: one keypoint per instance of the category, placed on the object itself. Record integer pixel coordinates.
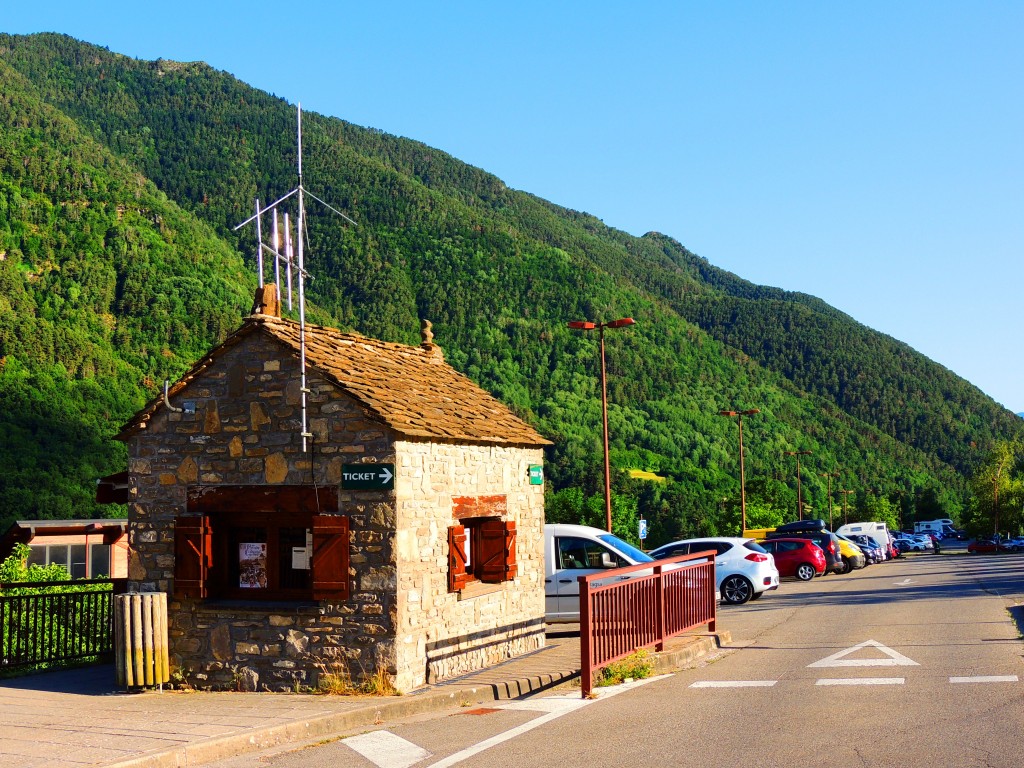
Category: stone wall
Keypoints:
(441, 634)
(246, 431)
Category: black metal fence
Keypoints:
(57, 623)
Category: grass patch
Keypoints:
(643, 474)
(636, 666)
(335, 679)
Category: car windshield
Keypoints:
(628, 550)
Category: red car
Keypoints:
(796, 557)
(979, 546)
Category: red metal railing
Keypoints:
(621, 614)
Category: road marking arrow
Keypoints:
(895, 659)
(903, 583)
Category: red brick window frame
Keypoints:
(481, 545)
(262, 543)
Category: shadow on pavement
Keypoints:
(96, 680)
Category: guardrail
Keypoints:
(56, 622)
(620, 613)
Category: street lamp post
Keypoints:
(799, 497)
(829, 475)
(995, 500)
(586, 325)
(846, 495)
(743, 491)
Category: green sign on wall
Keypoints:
(536, 474)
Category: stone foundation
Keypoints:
(462, 655)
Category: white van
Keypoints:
(878, 532)
(930, 526)
(571, 551)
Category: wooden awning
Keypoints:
(112, 489)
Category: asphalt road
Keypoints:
(917, 662)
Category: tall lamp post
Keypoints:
(846, 495)
(586, 325)
(738, 415)
(995, 500)
(799, 497)
(829, 475)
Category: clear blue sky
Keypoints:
(869, 153)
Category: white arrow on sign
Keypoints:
(895, 659)
(385, 475)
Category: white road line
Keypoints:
(862, 681)
(545, 704)
(476, 749)
(734, 684)
(385, 750)
(985, 679)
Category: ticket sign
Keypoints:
(536, 474)
(367, 477)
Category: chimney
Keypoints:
(266, 302)
(427, 340)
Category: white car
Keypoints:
(917, 542)
(744, 570)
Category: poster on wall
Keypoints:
(252, 566)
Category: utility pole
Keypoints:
(799, 497)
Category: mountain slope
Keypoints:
(498, 271)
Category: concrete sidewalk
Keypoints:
(79, 718)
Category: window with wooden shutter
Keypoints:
(192, 555)
(458, 574)
(330, 557)
(497, 548)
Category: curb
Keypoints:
(674, 660)
(382, 710)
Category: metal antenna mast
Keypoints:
(290, 262)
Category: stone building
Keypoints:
(406, 538)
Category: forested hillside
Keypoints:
(120, 181)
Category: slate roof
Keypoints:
(410, 389)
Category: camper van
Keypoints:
(931, 526)
(571, 551)
(878, 532)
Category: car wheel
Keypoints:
(736, 590)
(805, 572)
(845, 567)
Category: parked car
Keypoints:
(571, 551)
(801, 558)
(853, 556)
(877, 532)
(985, 546)
(1015, 544)
(828, 542)
(872, 551)
(743, 569)
(915, 542)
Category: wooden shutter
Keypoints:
(330, 557)
(457, 574)
(193, 553)
(497, 545)
(511, 569)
